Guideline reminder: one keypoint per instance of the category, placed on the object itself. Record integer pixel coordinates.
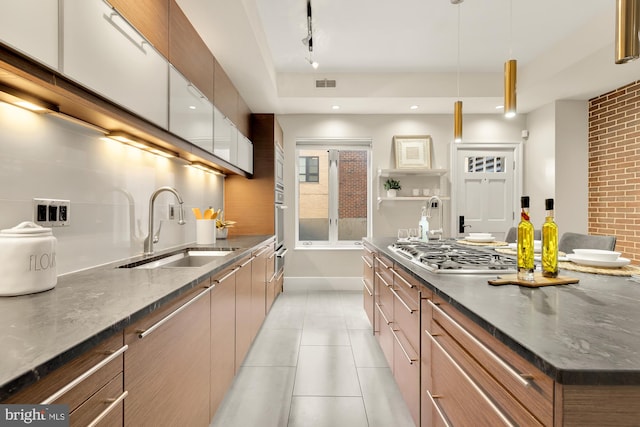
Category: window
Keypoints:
(485, 164)
(332, 194)
(308, 168)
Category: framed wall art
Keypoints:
(413, 151)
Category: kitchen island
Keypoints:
(42, 332)
(583, 337)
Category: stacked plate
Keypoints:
(480, 238)
(598, 258)
(537, 246)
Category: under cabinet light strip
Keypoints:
(125, 138)
(205, 168)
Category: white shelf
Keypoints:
(385, 173)
(409, 199)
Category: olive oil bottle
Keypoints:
(525, 242)
(549, 242)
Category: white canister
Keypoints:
(27, 259)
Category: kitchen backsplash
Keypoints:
(109, 185)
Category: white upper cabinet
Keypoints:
(225, 137)
(104, 53)
(31, 26)
(245, 153)
(190, 112)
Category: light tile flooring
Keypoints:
(314, 363)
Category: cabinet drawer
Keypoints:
(382, 332)
(406, 317)
(500, 371)
(406, 371)
(105, 408)
(91, 371)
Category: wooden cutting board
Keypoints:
(538, 280)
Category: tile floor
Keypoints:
(314, 363)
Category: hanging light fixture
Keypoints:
(457, 106)
(308, 41)
(627, 27)
(510, 71)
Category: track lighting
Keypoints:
(125, 138)
(23, 100)
(308, 40)
(627, 27)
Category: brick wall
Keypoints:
(352, 174)
(614, 167)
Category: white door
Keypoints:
(485, 189)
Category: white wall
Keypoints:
(108, 184)
(556, 163)
(380, 129)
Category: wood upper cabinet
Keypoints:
(251, 201)
(105, 382)
(188, 52)
(150, 18)
(223, 336)
(243, 122)
(167, 365)
(225, 93)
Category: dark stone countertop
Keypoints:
(586, 333)
(41, 332)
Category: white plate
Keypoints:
(620, 262)
(537, 246)
(480, 239)
(480, 235)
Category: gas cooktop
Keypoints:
(449, 257)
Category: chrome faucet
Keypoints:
(440, 230)
(151, 238)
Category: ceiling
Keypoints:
(386, 56)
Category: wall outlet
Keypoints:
(51, 212)
(172, 211)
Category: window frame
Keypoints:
(333, 144)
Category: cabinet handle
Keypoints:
(383, 281)
(108, 409)
(409, 309)
(523, 379)
(435, 404)
(366, 287)
(382, 314)
(195, 92)
(263, 249)
(366, 262)
(395, 273)
(272, 255)
(470, 381)
(145, 332)
(368, 250)
(383, 264)
(114, 24)
(247, 262)
(95, 368)
(226, 276)
(402, 347)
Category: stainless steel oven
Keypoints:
(279, 207)
(279, 218)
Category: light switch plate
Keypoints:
(51, 212)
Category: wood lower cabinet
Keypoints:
(383, 315)
(90, 384)
(271, 277)
(258, 289)
(223, 336)
(367, 281)
(244, 324)
(168, 363)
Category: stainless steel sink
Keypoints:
(185, 259)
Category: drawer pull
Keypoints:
(383, 264)
(383, 281)
(395, 273)
(367, 249)
(226, 276)
(55, 396)
(523, 379)
(273, 276)
(438, 409)
(402, 348)
(470, 381)
(382, 314)
(112, 404)
(367, 288)
(366, 261)
(409, 309)
(272, 255)
(247, 261)
(262, 250)
(145, 332)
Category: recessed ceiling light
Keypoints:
(499, 107)
(192, 107)
(336, 107)
(414, 107)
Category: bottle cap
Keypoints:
(524, 201)
(548, 204)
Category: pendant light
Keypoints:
(627, 26)
(457, 106)
(510, 71)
